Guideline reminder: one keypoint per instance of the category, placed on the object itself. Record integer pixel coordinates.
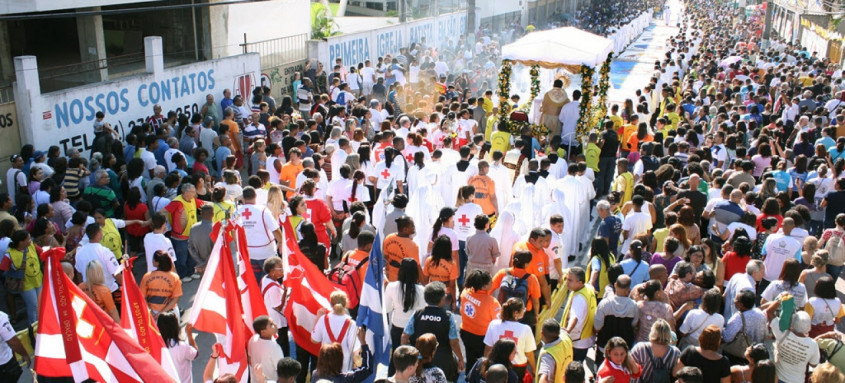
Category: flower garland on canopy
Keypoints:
(537, 130)
(583, 127)
(600, 108)
(504, 95)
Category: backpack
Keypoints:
(513, 287)
(341, 98)
(659, 374)
(345, 277)
(835, 246)
(650, 163)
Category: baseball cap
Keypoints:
(38, 154)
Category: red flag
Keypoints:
(137, 320)
(78, 339)
(309, 292)
(217, 307)
(252, 301)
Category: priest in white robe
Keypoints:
(501, 177)
(587, 187)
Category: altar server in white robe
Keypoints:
(576, 198)
(506, 237)
(555, 206)
(424, 205)
(587, 186)
(501, 177)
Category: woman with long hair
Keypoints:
(734, 261)
(329, 327)
(402, 298)
(444, 225)
(442, 266)
(276, 203)
(761, 160)
(133, 209)
(356, 191)
(600, 261)
(708, 313)
(44, 233)
(311, 246)
(771, 208)
(824, 307)
(512, 311)
(330, 362)
(502, 352)
(390, 172)
(478, 309)
(321, 216)
(96, 289)
(787, 282)
(349, 240)
(297, 208)
(687, 218)
(182, 353)
(35, 177)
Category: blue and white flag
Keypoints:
(371, 313)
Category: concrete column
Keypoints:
(153, 54)
(92, 43)
(7, 68)
(27, 89)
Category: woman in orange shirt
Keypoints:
(161, 287)
(641, 136)
(478, 309)
(96, 289)
(441, 267)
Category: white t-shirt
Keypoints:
(154, 242)
(96, 251)
(779, 248)
(385, 176)
(348, 341)
(394, 304)
(635, 223)
(792, 353)
(367, 75)
(149, 163)
(259, 226)
(521, 334)
(336, 191)
(465, 220)
(361, 194)
(6, 334)
(265, 352)
(697, 320)
(555, 252)
(273, 296)
(579, 310)
(168, 158)
(13, 175)
(183, 355)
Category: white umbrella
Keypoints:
(729, 61)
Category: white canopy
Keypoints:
(567, 47)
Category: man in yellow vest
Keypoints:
(624, 182)
(555, 355)
(578, 313)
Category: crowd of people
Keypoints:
(718, 191)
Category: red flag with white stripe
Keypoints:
(136, 319)
(309, 292)
(217, 307)
(78, 339)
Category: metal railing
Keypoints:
(280, 51)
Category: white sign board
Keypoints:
(358, 47)
(65, 118)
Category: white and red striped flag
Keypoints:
(217, 307)
(309, 292)
(78, 339)
(136, 320)
(252, 301)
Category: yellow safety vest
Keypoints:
(112, 240)
(604, 279)
(590, 297)
(562, 354)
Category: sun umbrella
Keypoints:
(730, 61)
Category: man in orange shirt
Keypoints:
(234, 135)
(399, 246)
(291, 169)
(521, 260)
(485, 189)
(362, 253)
(539, 264)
